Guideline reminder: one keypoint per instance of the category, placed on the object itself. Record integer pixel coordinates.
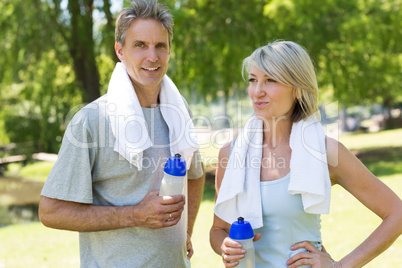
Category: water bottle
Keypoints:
(174, 176)
(174, 182)
(242, 232)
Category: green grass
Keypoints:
(362, 141)
(209, 156)
(350, 223)
(347, 225)
(36, 171)
(33, 245)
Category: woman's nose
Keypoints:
(259, 90)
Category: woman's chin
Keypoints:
(261, 117)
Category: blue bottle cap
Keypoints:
(175, 166)
(241, 230)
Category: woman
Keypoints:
(278, 172)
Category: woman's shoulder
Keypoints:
(339, 159)
(224, 152)
(226, 149)
(334, 149)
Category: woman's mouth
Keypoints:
(260, 104)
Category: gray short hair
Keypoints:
(142, 9)
(289, 64)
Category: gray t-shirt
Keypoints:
(88, 170)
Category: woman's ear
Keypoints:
(297, 94)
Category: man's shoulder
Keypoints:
(91, 112)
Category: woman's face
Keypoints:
(271, 99)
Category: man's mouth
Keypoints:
(151, 69)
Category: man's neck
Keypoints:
(148, 98)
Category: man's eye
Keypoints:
(139, 45)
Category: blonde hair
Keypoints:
(289, 64)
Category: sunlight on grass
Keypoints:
(347, 225)
(209, 156)
(36, 171)
(33, 245)
(386, 138)
(353, 141)
(204, 256)
(13, 169)
(385, 167)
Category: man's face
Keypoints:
(145, 54)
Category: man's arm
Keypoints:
(195, 193)
(152, 212)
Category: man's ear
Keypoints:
(119, 51)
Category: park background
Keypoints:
(57, 55)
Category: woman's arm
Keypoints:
(347, 171)
(220, 229)
(195, 192)
(229, 249)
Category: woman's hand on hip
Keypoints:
(314, 257)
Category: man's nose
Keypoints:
(152, 54)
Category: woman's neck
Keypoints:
(276, 131)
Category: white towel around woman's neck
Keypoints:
(128, 123)
(239, 194)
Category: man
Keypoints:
(106, 180)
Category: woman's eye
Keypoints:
(269, 80)
(251, 80)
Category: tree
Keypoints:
(54, 60)
(355, 44)
(211, 40)
(55, 56)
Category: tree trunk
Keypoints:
(82, 48)
(108, 33)
(390, 123)
(225, 110)
(342, 117)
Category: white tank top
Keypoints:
(285, 223)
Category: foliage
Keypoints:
(51, 66)
(35, 108)
(354, 44)
(57, 54)
(207, 56)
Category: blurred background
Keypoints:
(58, 55)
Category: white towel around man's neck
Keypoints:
(128, 123)
(239, 193)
